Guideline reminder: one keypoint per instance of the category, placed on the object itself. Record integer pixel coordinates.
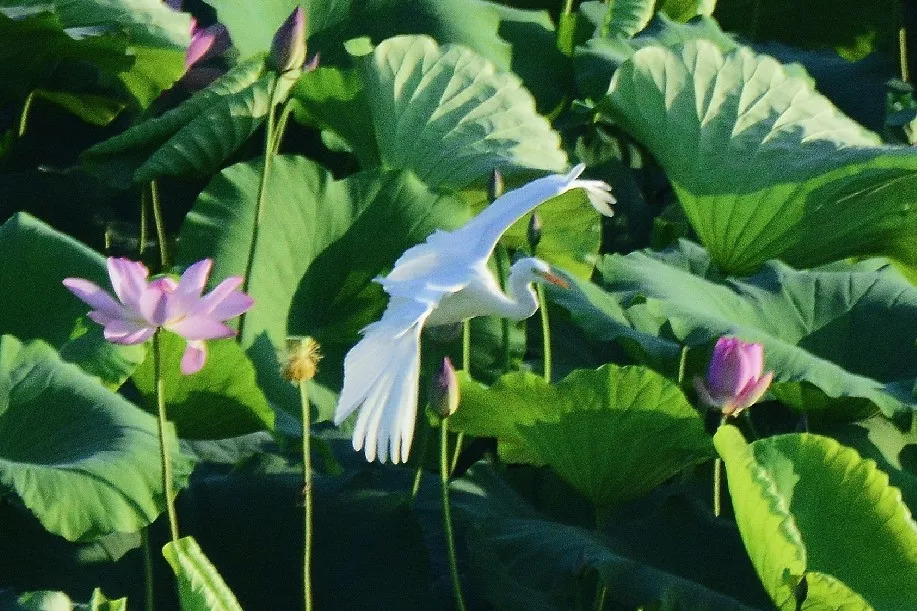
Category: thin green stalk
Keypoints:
(902, 45)
(466, 367)
(164, 260)
(307, 496)
(466, 346)
(142, 238)
(682, 363)
(24, 115)
(281, 126)
(902, 54)
(166, 461)
(545, 331)
(447, 515)
(717, 479)
(600, 599)
(606, 23)
(261, 201)
(150, 601)
(502, 259)
(751, 425)
(418, 473)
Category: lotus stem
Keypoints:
(167, 484)
(466, 366)
(447, 514)
(150, 601)
(717, 479)
(545, 331)
(307, 496)
(261, 200)
(163, 240)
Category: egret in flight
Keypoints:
(443, 281)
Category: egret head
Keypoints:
(535, 270)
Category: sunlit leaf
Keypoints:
(315, 256)
(221, 400)
(807, 505)
(839, 340)
(763, 165)
(200, 587)
(613, 433)
(197, 136)
(84, 460)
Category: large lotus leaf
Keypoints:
(83, 459)
(805, 505)
(601, 316)
(526, 562)
(597, 59)
(139, 42)
(836, 339)
(36, 258)
(448, 115)
(200, 587)
(491, 30)
(318, 247)
(853, 28)
(894, 451)
(221, 400)
(614, 433)
(197, 136)
(626, 18)
(763, 165)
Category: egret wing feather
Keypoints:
(381, 380)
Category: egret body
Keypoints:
(442, 281)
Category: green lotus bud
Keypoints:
(288, 49)
(444, 391)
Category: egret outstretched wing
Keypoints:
(380, 377)
(381, 372)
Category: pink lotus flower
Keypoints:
(144, 306)
(734, 380)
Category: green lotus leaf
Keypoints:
(524, 561)
(626, 19)
(83, 459)
(139, 43)
(613, 433)
(311, 266)
(763, 165)
(36, 259)
(197, 136)
(221, 400)
(805, 505)
(840, 340)
(200, 587)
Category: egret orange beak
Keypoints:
(554, 279)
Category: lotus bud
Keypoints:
(288, 49)
(303, 356)
(496, 186)
(534, 232)
(736, 378)
(444, 391)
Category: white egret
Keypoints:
(445, 280)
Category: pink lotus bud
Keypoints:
(734, 380)
(444, 391)
(288, 49)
